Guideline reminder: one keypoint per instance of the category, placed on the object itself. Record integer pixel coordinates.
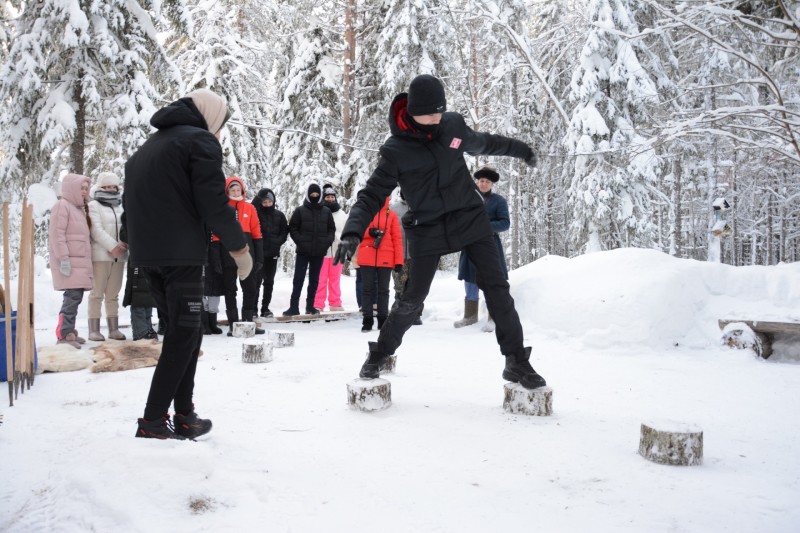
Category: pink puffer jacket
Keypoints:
(69, 236)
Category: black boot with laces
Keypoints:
(376, 360)
(160, 428)
(519, 370)
(191, 426)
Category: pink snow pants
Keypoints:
(329, 277)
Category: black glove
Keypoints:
(257, 267)
(531, 160)
(347, 247)
(398, 268)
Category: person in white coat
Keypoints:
(330, 275)
(109, 255)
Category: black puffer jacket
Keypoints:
(174, 187)
(312, 228)
(274, 227)
(445, 207)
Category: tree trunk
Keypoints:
(78, 146)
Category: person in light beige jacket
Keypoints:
(109, 255)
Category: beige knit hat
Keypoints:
(212, 106)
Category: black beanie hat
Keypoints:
(264, 194)
(426, 96)
(487, 172)
(314, 188)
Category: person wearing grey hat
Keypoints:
(424, 156)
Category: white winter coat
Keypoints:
(339, 218)
(106, 223)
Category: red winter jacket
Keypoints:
(248, 218)
(390, 251)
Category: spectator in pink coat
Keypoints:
(70, 253)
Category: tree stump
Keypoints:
(672, 444)
(740, 335)
(369, 394)
(519, 400)
(244, 329)
(256, 351)
(281, 339)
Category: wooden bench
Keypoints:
(765, 331)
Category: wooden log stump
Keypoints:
(256, 351)
(244, 329)
(369, 394)
(281, 339)
(742, 335)
(671, 443)
(537, 402)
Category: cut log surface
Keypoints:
(762, 326)
(256, 351)
(281, 339)
(742, 335)
(244, 329)
(369, 394)
(671, 443)
(519, 400)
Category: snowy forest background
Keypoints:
(644, 112)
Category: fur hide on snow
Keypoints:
(62, 358)
(127, 355)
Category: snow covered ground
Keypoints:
(623, 337)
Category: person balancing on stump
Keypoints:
(425, 156)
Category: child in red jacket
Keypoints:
(380, 252)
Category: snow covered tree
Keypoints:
(614, 164)
(77, 86)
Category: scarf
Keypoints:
(333, 206)
(108, 199)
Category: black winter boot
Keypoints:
(376, 360)
(204, 322)
(212, 324)
(312, 310)
(366, 324)
(157, 429)
(191, 426)
(294, 309)
(519, 370)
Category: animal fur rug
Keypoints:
(62, 358)
(126, 355)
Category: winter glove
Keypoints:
(398, 268)
(531, 160)
(347, 247)
(244, 262)
(65, 267)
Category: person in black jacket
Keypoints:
(313, 230)
(174, 191)
(425, 156)
(274, 232)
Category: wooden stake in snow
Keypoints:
(519, 400)
(369, 394)
(256, 351)
(244, 329)
(281, 339)
(672, 443)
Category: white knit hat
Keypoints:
(105, 179)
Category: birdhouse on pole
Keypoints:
(720, 227)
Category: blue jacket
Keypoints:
(497, 210)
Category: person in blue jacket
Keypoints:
(497, 211)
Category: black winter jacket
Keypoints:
(312, 229)
(274, 228)
(174, 187)
(445, 207)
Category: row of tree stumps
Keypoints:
(664, 443)
(255, 350)
(20, 360)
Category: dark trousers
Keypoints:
(178, 293)
(302, 263)
(490, 279)
(360, 288)
(69, 311)
(369, 276)
(266, 277)
(249, 293)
